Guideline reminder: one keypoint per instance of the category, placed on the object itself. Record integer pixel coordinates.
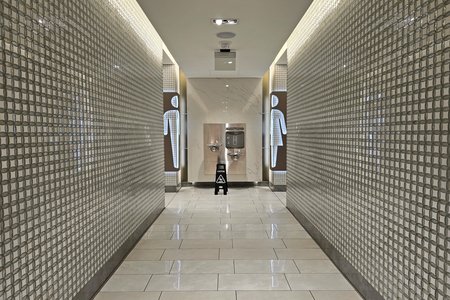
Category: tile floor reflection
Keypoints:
(245, 245)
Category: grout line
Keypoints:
(312, 295)
(148, 282)
(162, 254)
(298, 268)
(217, 281)
(235, 294)
(160, 296)
(287, 281)
(234, 266)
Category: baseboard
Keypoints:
(366, 290)
(99, 279)
(173, 188)
(277, 188)
(230, 184)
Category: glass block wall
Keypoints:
(368, 104)
(81, 139)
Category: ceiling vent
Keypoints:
(225, 60)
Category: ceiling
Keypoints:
(190, 36)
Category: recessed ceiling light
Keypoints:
(227, 85)
(230, 62)
(225, 21)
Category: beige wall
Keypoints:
(210, 101)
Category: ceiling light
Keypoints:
(230, 62)
(225, 21)
(227, 85)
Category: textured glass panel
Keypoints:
(81, 139)
(368, 93)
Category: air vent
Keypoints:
(225, 61)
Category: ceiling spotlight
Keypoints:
(227, 85)
(230, 62)
(225, 21)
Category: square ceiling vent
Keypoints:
(225, 61)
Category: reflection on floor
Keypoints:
(245, 245)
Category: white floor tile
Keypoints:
(316, 266)
(265, 266)
(206, 244)
(195, 254)
(321, 282)
(274, 295)
(300, 254)
(258, 243)
(247, 254)
(336, 295)
(126, 283)
(204, 295)
(127, 296)
(138, 254)
(256, 282)
(183, 282)
(203, 266)
(301, 243)
(144, 267)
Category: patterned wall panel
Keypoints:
(81, 139)
(279, 78)
(170, 78)
(368, 104)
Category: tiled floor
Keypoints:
(245, 245)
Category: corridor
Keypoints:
(245, 245)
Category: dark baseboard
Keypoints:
(99, 279)
(366, 290)
(172, 188)
(277, 188)
(230, 184)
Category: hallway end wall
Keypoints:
(368, 169)
(210, 101)
(81, 142)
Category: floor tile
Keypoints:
(171, 227)
(209, 227)
(316, 266)
(300, 254)
(126, 283)
(243, 235)
(158, 244)
(206, 244)
(241, 221)
(138, 254)
(274, 295)
(291, 234)
(144, 267)
(319, 282)
(249, 227)
(259, 244)
(157, 235)
(265, 266)
(194, 254)
(196, 235)
(257, 282)
(204, 295)
(301, 243)
(247, 254)
(336, 295)
(203, 266)
(183, 282)
(127, 296)
(200, 221)
(167, 221)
